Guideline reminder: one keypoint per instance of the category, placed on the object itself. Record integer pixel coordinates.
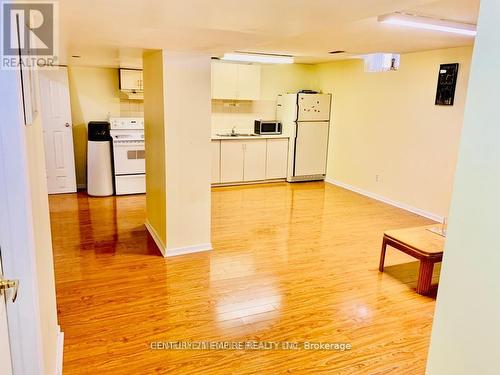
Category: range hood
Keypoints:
(132, 95)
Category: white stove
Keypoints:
(129, 155)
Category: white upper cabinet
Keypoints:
(235, 81)
(248, 82)
(131, 80)
(224, 81)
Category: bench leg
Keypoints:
(382, 255)
(425, 277)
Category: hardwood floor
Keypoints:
(291, 262)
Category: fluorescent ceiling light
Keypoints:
(428, 23)
(258, 58)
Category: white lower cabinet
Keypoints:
(232, 158)
(249, 160)
(277, 158)
(254, 166)
(215, 162)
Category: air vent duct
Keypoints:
(381, 62)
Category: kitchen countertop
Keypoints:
(268, 136)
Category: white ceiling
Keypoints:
(114, 32)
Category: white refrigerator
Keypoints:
(306, 120)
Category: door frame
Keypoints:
(16, 231)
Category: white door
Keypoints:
(215, 162)
(25, 231)
(231, 161)
(57, 130)
(314, 107)
(277, 158)
(255, 160)
(311, 148)
(5, 360)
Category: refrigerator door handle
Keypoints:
(295, 146)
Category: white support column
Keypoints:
(177, 117)
(466, 331)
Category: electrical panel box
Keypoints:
(447, 82)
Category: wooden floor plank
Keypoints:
(291, 262)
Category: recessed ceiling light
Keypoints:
(263, 58)
(428, 23)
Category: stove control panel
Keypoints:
(126, 122)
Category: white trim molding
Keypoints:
(404, 206)
(189, 249)
(171, 252)
(60, 351)
(156, 238)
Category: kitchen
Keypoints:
(264, 152)
(241, 94)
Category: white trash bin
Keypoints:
(99, 165)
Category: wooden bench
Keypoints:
(420, 243)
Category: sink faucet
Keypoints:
(233, 130)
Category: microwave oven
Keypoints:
(267, 127)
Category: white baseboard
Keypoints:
(170, 252)
(270, 181)
(189, 249)
(60, 351)
(404, 206)
(159, 243)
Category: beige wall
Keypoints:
(386, 124)
(466, 325)
(154, 122)
(279, 79)
(383, 124)
(95, 96)
(177, 167)
(275, 79)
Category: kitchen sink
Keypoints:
(238, 135)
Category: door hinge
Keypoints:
(9, 284)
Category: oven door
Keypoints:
(129, 157)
